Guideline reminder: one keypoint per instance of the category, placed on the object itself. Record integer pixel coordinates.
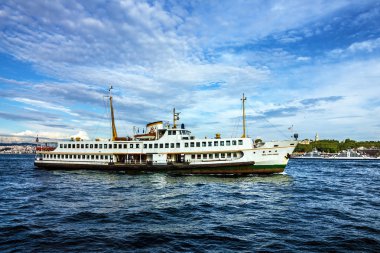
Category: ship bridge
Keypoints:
(174, 133)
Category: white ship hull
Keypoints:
(223, 156)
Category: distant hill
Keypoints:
(17, 143)
(335, 146)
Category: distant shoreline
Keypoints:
(17, 153)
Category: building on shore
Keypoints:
(305, 142)
(17, 149)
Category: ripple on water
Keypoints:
(316, 206)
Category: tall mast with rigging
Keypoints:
(243, 99)
(114, 133)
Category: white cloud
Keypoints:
(355, 116)
(44, 136)
(44, 105)
(165, 54)
(136, 32)
(303, 58)
(369, 46)
(226, 22)
(26, 133)
(12, 81)
(81, 134)
(30, 134)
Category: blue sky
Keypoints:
(314, 65)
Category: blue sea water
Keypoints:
(317, 206)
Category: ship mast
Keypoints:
(175, 118)
(243, 99)
(114, 133)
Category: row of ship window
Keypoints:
(180, 132)
(155, 145)
(195, 144)
(105, 157)
(83, 157)
(100, 146)
(214, 156)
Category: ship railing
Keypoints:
(136, 162)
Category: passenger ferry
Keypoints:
(168, 148)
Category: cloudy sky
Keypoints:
(311, 64)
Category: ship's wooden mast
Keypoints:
(114, 132)
(244, 130)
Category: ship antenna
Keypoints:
(175, 118)
(114, 133)
(243, 100)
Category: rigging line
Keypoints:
(98, 125)
(273, 126)
(277, 129)
(123, 125)
(238, 124)
(103, 114)
(235, 127)
(107, 112)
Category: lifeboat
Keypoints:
(151, 131)
(148, 136)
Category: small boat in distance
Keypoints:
(168, 148)
(314, 154)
